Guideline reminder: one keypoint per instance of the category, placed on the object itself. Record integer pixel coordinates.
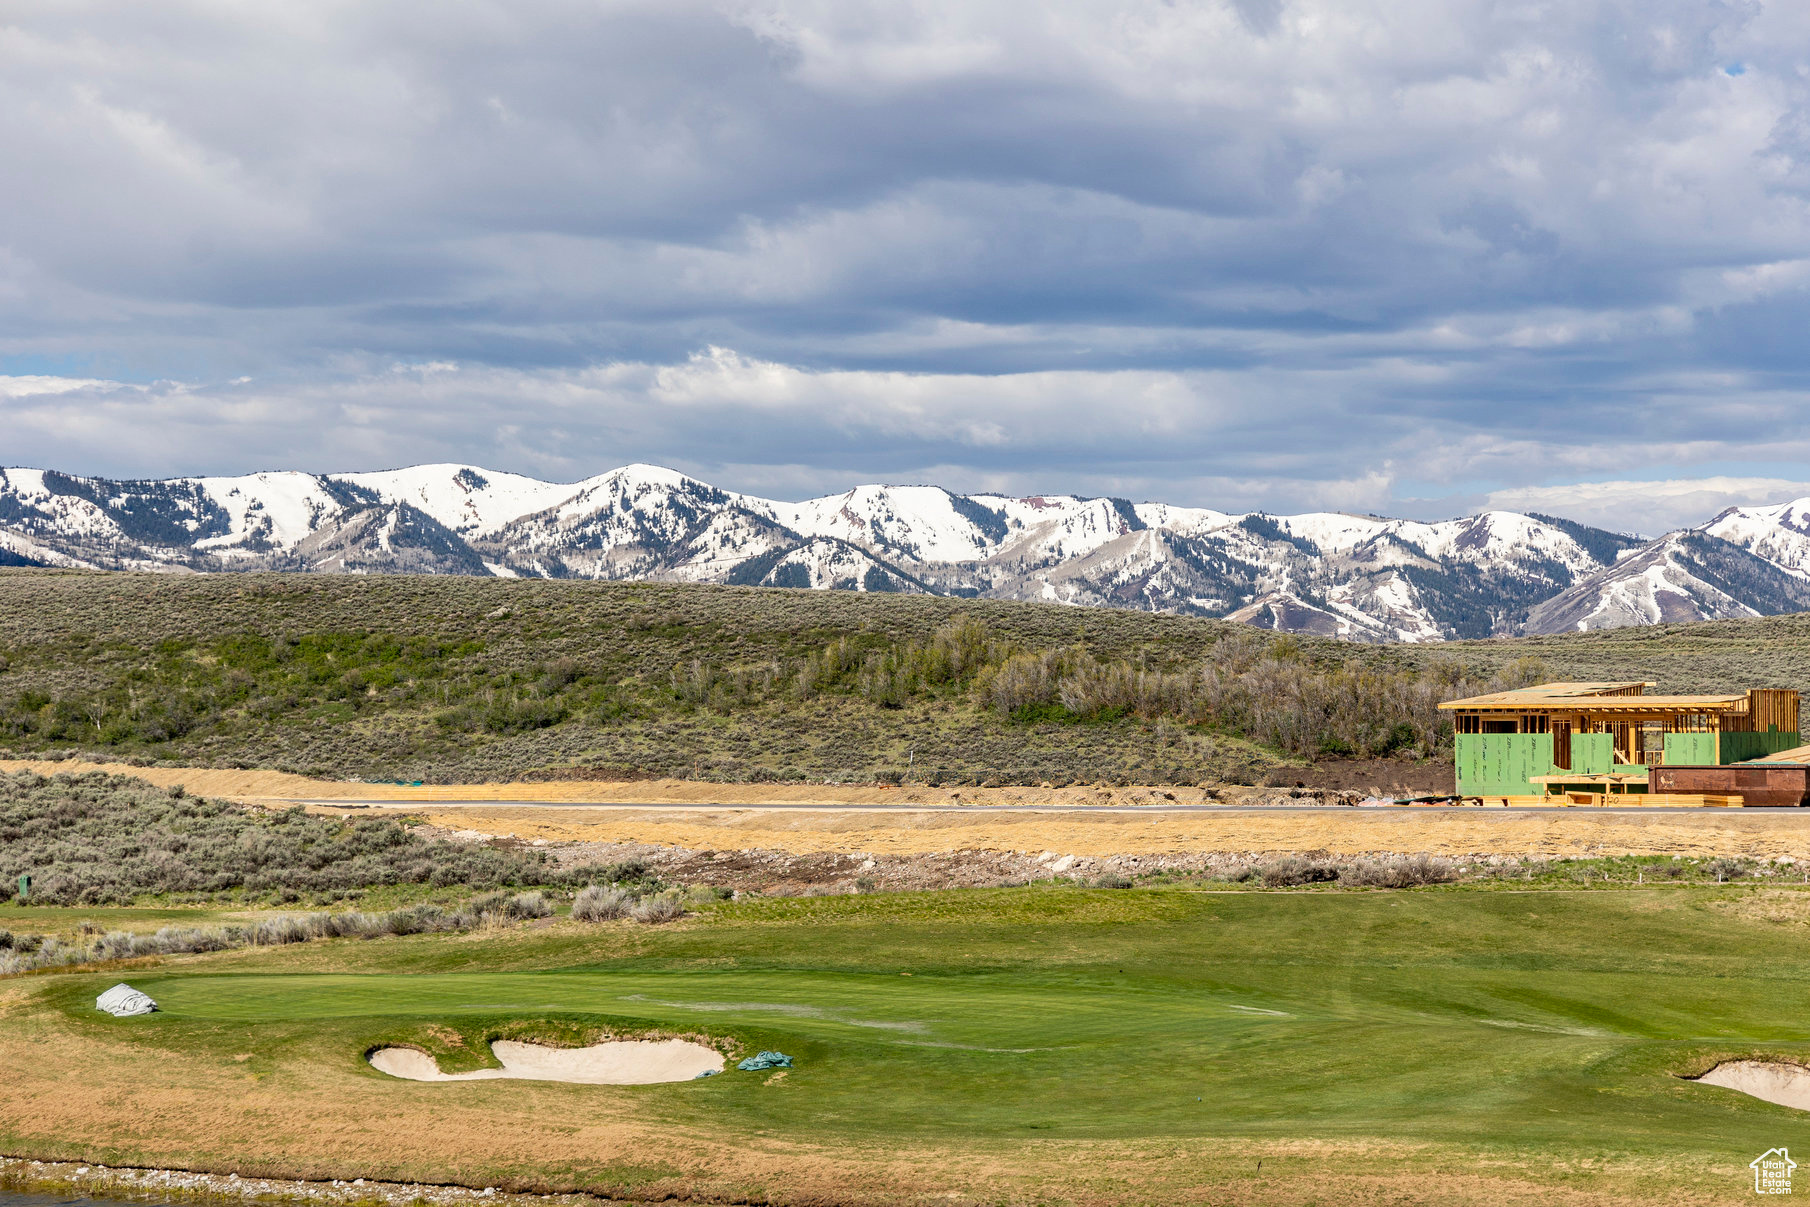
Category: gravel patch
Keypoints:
(173, 1185)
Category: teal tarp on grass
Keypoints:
(766, 1060)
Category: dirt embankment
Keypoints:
(784, 873)
(1384, 777)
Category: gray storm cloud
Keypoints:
(1280, 254)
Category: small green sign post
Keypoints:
(24, 887)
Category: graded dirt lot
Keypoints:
(1337, 831)
(866, 819)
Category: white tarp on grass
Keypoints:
(123, 1001)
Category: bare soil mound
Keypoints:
(618, 1062)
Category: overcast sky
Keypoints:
(1402, 256)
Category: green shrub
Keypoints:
(596, 903)
(1292, 870)
(1398, 873)
(660, 907)
(1727, 869)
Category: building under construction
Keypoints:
(1599, 743)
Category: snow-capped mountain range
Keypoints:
(1358, 577)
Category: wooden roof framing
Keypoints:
(1636, 704)
(1594, 698)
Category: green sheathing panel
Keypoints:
(1592, 753)
(1739, 747)
(1499, 764)
(1690, 749)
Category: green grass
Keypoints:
(450, 679)
(454, 678)
(1542, 1027)
(66, 922)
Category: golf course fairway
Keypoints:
(1039, 1044)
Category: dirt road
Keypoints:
(279, 785)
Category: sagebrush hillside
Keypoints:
(99, 839)
(454, 678)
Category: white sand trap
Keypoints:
(1786, 1085)
(619, 1062)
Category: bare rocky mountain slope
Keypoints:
(1358, 577)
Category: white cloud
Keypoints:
(1083, 429)
(1035, 433)
(1307, 253)
(1649, 508)
(41, 386)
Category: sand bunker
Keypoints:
(619, 1062)
(1786, 1085)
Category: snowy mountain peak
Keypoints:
(653, 477)
(1683, 576)
(1780, 533)
(465, 498)
(1365, 578)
